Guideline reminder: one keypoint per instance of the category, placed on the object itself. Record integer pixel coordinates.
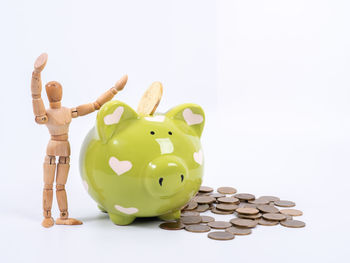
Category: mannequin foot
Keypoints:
(68, 221)
(47, 222)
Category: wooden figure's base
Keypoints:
(68, 221)
(48, 222)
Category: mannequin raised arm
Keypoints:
(107, 96)
(36, 87)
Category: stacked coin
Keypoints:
(247, 211)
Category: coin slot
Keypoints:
(170, 133)
(182, 178)
(161, 181)
(152, 132)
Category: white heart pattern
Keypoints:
(126, 210)
(198, 157)
(157, 118)
(191, 118)
(119, 167)
(114, 117)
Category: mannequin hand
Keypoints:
(40, 63)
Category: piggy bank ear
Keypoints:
(191, 114)
(111, 117)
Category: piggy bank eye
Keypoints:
(152, 133)
(170, 133)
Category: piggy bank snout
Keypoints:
(166, 176)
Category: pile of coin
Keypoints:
(247, 212)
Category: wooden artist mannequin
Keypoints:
(57, 120)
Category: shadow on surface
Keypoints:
(139, 221)
(98, 217)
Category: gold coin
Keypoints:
(238, 230)
(226, 207)
(206, 189)
(243, 222)
(190, 220)
(202, 208)
(244, 196)
(191, 205)
(221, 235)
(247, 205)
(284, 203)
(172, 225)
(293, 223)
(264, 222)
(247, 210)
(207, 219)
(203, 194)
(228, 200)
(219, 224)
(268, 209)
(269, 198)
(221, 212)
(259, 201)
(150, 99)
(274, 217)
(189, 213)
(256, 216)
(291, 212)
(217, 195)
(197, 228)
(226, 190)
(204, 199)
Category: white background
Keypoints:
(272, 77)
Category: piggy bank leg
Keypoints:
(61, 195)
(171, 216)
(102, 209)
(121, 219)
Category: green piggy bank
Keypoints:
(143, 166)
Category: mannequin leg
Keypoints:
(49, 175)
(61, 195)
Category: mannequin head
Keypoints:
(54, 93)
